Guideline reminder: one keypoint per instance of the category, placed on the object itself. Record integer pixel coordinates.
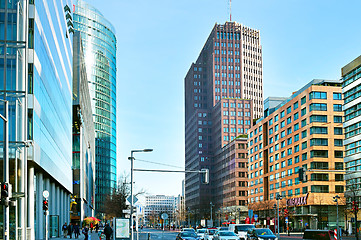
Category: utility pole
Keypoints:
(335, 199)
(278, 198)
(211, 213)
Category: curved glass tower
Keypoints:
(99, 43)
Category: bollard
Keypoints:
(148, 236)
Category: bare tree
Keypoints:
(352, 194)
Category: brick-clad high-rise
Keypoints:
(225, 79)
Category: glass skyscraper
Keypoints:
(99, 44)
(36, 80)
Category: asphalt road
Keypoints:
(155, 234)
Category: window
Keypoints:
(338, 142)
(276, 128)
(297, 148)
(270, 131)
(296, 137)
(338, 154)
(337, 119)
(289, 141)
(276, 118)
(337, 107)
(303, 100)
(304, 156)
(277, 137)
(319, 165)
(283, 154)
(289, 120)
(304, 134)
(295, 105)
(337, 131)
(318, 130)
(304, 145)
(283, 144)
(289, 110)
(339, 189)
(296, 127)
(318, 118)
(319, 177)
(303, 112)
(338, 177)
(318, 95)
(297, 191)
(282, 124)
(319, 142)
(337, 96)
(319, 154)
(304, 190)
(283, 164)
(303, 123)
(297, 159)
(289, 163)
(295, 117)
(318, 107)
(283, 134)
(319, 188)
(270, 122)
(339, 165)
(289, 131)
(289, 151)
(282, 114)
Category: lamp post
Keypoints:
(211, 213)
(278, 198)
(131, 186)
(335, 199)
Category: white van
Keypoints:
(241, 229)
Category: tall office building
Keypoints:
(303, 131)
(36, 80)
(351, 85)
(155, 205)
(223, 93)
(99, 42)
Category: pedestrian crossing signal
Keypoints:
(205, 175)
(45, 205)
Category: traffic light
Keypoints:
(4, 190)
(302, 174)
(205, 175)
(45, 205)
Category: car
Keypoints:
(188, 230)
(223, 228)
(208, 235)
(260, 234)
(311, 234)
(225, 235)
(187, 235)
(201, 232)
(241, 229)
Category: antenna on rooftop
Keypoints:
(230, 10)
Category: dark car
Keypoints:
(311, 234)
(260, 233)
(187, 235)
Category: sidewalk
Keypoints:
(93, 235)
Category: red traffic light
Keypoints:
(45, 205)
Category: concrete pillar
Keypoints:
(31, 203)
(52, 203)
(39, 231)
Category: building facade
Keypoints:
(156, 205)
(303, 131)
(99, 43)
(83, 164)
(351, 85)
(228, 71)
(36, 67)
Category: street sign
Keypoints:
(164, 216)
(45, 194)
(126, 211)
(250, 213)
(286, 219)
(256, 217)
(135, 199)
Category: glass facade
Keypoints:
(99, 44)
(36, 80)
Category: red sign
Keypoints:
(247, 220)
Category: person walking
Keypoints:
(65, 229)
(76, 230)
(85, 231)
(108, 231)
(70, 230)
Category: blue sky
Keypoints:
(158, 40)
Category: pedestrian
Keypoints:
(91, 227)
(108, 231)
(65, 229)
(76, 230)
(85, 231)
(70, 230)
(97, 227)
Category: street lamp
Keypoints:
(335, 199)
(131, 186)
(211, 213)
(278, 198)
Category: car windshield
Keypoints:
(201, 231)
(264, 232)
(211, 231)
(227, 233)
(188, 230)
(244, 228)
(188, 234)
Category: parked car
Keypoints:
(241, 229)
(223, 228)
(188, 230)
(260, 234)
(208, 235)
(187, 235)
(201, 232)
(225, 235)
(311, 234)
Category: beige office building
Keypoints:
(303, 131)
